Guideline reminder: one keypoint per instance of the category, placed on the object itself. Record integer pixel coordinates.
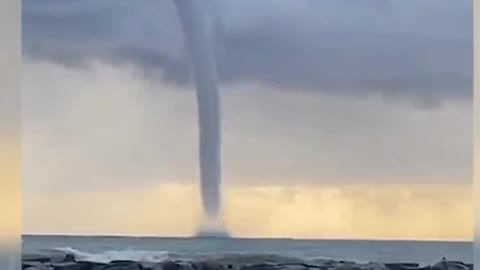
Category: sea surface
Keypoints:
(154, 249)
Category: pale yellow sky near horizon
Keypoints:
(110, 152)
(353, 212)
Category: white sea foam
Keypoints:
(110, 255)
(159, 256)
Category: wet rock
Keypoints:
(68, 262)
(169, 265)
(347, 266)
(122, 265)
(39, 266)
(402, 266)
(123, 262)
(329, 263)
(35, 258)
(324, 264)
(261, 266)
(69, 258)
(71, 266)
(27, 264)
(91, 265)
(393, 265)
(293, 266)
(207, 265)
(81, 265)
(186, 265)
(450, 265)
(43, 267)
(374, 266)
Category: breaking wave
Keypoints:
(110, 255)
(159, 256)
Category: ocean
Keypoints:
(155, 249)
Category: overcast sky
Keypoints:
(314, 93)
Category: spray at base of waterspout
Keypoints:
(213, 227)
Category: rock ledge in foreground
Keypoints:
(69, 262)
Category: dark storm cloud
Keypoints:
(419, 49)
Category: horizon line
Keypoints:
(245, 237)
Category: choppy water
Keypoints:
(104, 249)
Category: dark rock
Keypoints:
(302, 266)
(91, 265)
(69, 258)
(68, 262)
(172, 265)
(39, 267)
(169, 265)
(80, 265)
(71, 266)
(150, 266)
(207, 265)
(122, 265)
(296, 266)
(374, 266)
(123, 262)
(450, 265)
(43, 267)
(260, 266)
(325, 264)
(35, 258)
(153, 267)
(402, 266)
(98, 266)
(27, 264)
(347, 266)
(187, 265)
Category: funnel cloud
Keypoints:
(199, 42)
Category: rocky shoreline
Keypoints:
(70, 262)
